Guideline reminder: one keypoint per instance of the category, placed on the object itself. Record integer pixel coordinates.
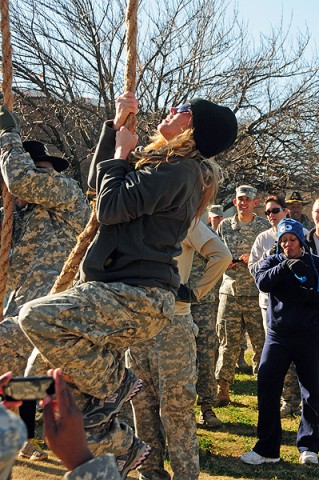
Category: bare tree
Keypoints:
(68, 60)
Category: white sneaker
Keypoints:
(307, 457)
(253, 458)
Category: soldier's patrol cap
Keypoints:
(216, 210)
(246, 191)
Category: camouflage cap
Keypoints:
(246, 191)
(216, 210)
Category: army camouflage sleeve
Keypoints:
(101, 468)
(12, 435)
(43, 186)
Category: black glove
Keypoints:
(186, 294)
(9, 122)
(296, 266)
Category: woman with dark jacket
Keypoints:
(291, 280)
(146, 201)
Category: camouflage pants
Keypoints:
(87, 329)
(204, 315)
(234, 315)
(164, 408)
(15, 347)
(116, 440)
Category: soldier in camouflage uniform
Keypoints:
(238, 295)
(295, 204)
(55, 211)
(52, 211)
(164, 409)
(204, 314)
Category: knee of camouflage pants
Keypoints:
(117, 440)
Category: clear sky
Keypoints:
(264, 14)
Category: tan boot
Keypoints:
(207, 417)
(222, 394)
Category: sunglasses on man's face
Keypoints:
(184, 108)
(274, 211)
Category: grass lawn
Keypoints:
(219, 449)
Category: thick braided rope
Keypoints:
(131, 56)
(7, 200)
(72, 263)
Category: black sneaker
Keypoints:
(98, 412)
(136, 454)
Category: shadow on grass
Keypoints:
(231, 467)
(244, 385)
(52, 467)
(243, 430)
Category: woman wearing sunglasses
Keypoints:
(146, 200)
(275, 211)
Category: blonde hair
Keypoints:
(183, 145)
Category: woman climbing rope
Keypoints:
(128, 279)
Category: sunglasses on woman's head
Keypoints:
(274, 211)
(184, 108)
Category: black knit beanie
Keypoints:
(215, 127)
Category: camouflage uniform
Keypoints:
(306, 222)
(46, 233)
(91, 325)
(204, 314)
(100, 468)
(238, 298)
(164, 409)
(12, 435)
